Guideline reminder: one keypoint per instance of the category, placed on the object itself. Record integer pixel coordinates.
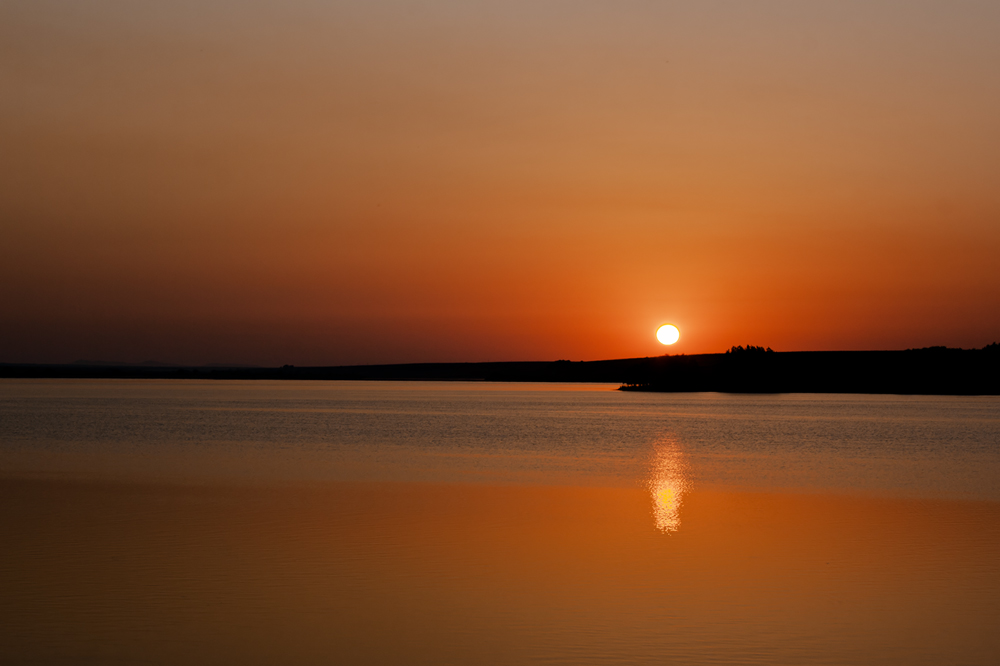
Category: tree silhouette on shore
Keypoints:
(749, 349)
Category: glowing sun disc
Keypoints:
(668, 334)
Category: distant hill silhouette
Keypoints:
(750, 369)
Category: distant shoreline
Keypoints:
(929, 371)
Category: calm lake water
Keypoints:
(339, 522)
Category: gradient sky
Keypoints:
(320, 183)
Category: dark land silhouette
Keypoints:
(751, 369)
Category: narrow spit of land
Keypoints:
(928, 371)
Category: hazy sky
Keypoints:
(317, 182)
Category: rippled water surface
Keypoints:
(329, 522)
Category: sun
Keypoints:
(668, 334)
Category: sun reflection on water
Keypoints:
(668, 483)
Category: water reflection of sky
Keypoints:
(914, 446)
(668, 482)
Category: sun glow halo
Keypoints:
(668, 334)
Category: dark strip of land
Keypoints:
(929, 371)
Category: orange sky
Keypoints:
(354, 182)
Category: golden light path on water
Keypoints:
(668, 483)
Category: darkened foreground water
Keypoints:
(148, 522)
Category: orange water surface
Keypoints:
(540, 525)
(436, 573)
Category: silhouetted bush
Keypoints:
(749, 349)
